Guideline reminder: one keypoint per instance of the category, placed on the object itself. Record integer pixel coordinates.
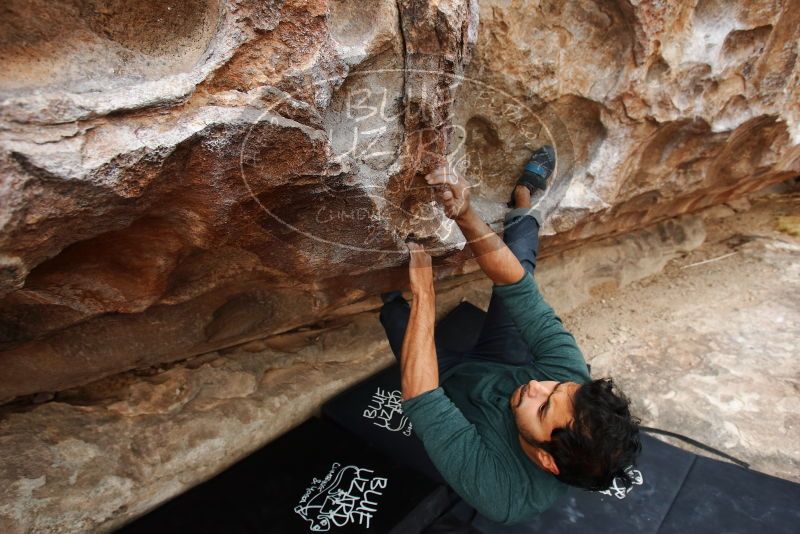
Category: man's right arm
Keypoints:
(492, 254)
(553, 347)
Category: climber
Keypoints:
(511, 422)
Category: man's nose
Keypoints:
(536, 388)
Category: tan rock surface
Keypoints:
(656, 108)
(260, 166)
(90, 458)
(708, 348)
(222, 204)
(98, 455)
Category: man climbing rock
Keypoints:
(512, 421)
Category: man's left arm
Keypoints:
(453, 444)
(477, 473)
(419, 368)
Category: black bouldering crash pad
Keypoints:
(372, 411)
(721, 497)
(315, 478)
(674, 492)
(658, 478)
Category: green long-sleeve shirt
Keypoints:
(467, 425)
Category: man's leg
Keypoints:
(499, 339)
(394, 317)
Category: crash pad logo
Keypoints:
(385, 411)
(618, 488)
(347, 495)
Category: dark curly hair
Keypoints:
(600, 443)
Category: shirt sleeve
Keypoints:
(454, 446)
(555, 351)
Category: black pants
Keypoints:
(499, 339)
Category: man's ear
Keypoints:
(547, 461)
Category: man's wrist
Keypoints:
(467, 217)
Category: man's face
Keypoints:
(541, 407)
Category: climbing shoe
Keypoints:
(537, 171)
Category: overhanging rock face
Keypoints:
(177, 179)
(656, 109)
